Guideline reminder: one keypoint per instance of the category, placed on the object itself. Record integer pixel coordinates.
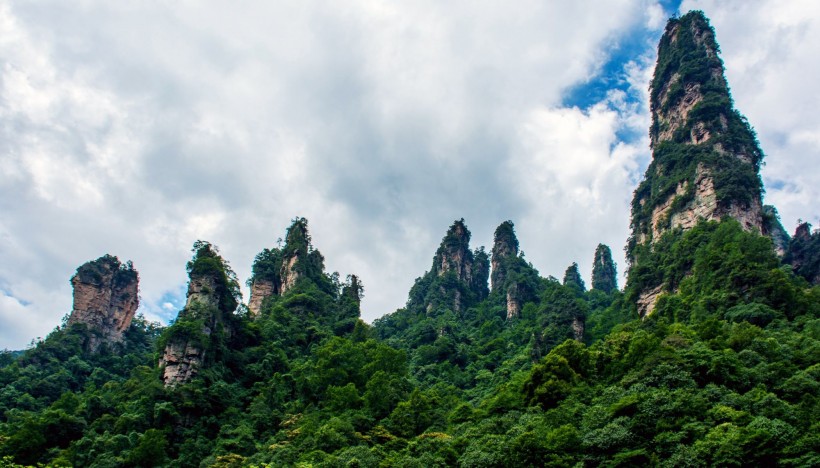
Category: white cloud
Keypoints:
(135, 129)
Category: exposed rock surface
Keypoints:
(804, 253)
(290, 275)
(454, 254)
(572, 278)
(505, 246)
(182, 361)
(202, 290)
(513, 303)
(705, 156)
(261, 289)
(512, 277)
(106, 297)
(774, 229)
(647, 300)
(277, 271)
(578, 328)
(458, 277)
(210, 302)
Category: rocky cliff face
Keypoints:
(261, 289)
(277, 271)
(458, 277)
(705, 156)
(512, 276)
(211, 300)
(505, 246)
(106, 297)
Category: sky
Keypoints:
(137, 128)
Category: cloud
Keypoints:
(136, 129)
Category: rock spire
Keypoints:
(106, 297)
(458, 277)
(604, 275)
(213, 295)
(705, 156)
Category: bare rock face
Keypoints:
(202, 290)
(705, 156)
(458, 277)
(647, 300)
(181, 362)
(704, 205)
(261, 289)
(454, 254)
(505, 246)
(210, 301)
(513, 304)
(289, 273)
(106, 297)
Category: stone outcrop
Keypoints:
(182, 361)
(604, 275)
(512, 276)
(261, 289)
(774, 229)
(647, 300)
(578, 327)
(513, 302)
(290, 274)
(705, 156)
(572, 278)
(803, 253)
(209, 305)
(505, 246)
(458, 276)
(454, 254)
(106, 297)
(277, 271)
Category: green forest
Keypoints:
(725, 372)
(489, 364)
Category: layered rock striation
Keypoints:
(512, 276)
(705, 156)
(458, 276)
(194, 338)
(277, 271)
(106, 297)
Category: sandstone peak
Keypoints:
(276, 271)
(572, 278)
(458, 277)
(705, 155)
(213, 295)
(505, 245)
(604, 276)
(106, 297)
(705, 158)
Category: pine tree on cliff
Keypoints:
(604, 276)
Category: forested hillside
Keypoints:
(709, 355)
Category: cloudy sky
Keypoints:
(136, 128)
